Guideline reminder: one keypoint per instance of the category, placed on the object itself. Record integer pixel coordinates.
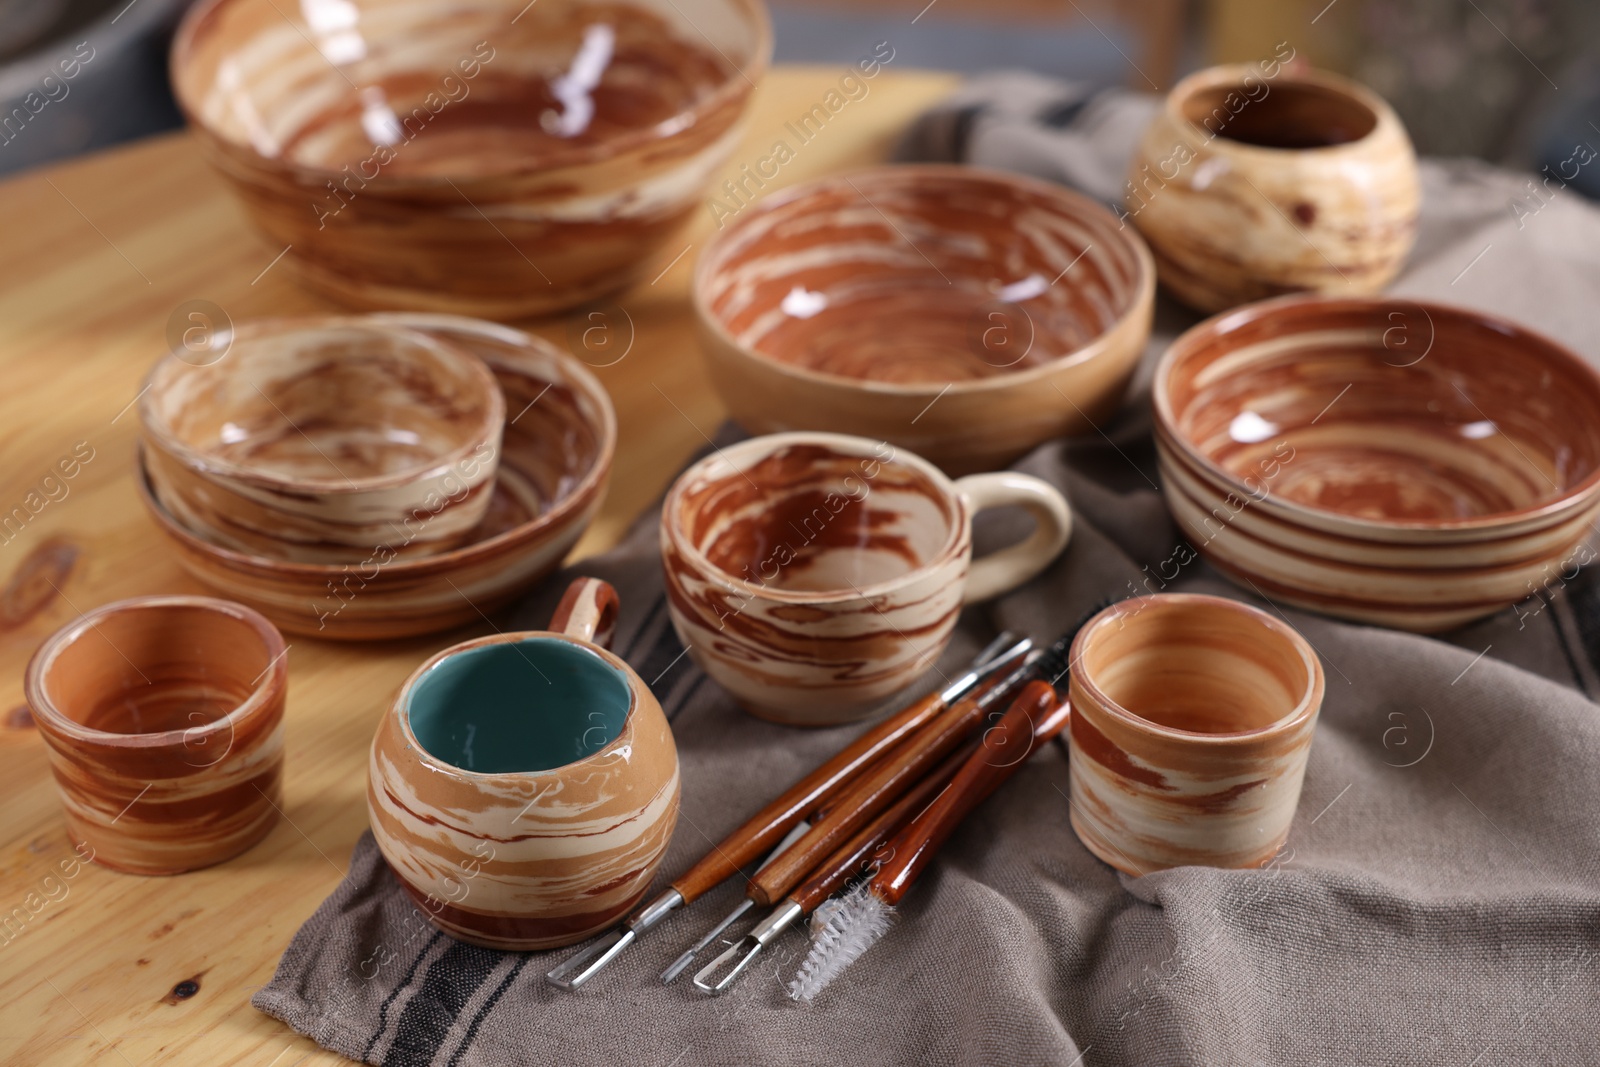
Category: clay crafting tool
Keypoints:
(863, 915)
(884, 783)
(768, 826)
(1038, 699)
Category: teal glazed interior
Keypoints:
(528, 705)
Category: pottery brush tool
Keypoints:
(884, 783)
(856, 922)
(849, 860)
(768, 826)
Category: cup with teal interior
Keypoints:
(523, 787)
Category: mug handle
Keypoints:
(588, 611)
(1002, 571)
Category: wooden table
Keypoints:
(99, 252)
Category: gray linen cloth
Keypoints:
(1438, 901)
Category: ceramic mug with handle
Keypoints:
(523, 786)
(815, 575)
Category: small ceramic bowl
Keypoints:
(495, 158)
(523, 787)
(966, 315)
(555, 462)
(164, 717)
(1414, 465)
(813, 575)
(317, 440)
(1257, 181)
(1192, 719)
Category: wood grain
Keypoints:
(101, 252)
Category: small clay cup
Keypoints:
(523, 787)
(815, 575)
(164, 717)
(1257, 180)
(316, 440)
(1192, 718)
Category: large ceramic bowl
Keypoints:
(487, 157)
(1254, 181)
(555, 462)
(963, 314)
(1414, 465)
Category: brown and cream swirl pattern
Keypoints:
(525, 860)
(164, 720)
(849, 303)
(1416, 465)
(487, 157)
(1192, 720)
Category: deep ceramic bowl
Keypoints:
(1192, 720)
(486, 157)
(1255, 181)
(966, 315)
(1414, 465)
(556, 453)
(317, 440)
(164, 718)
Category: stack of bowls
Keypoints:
(373, 476)
(1408, 464)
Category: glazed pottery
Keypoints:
(317, 440)
(495, 158)
(1413, 465)
(164, 720)
(524, 786)
(1192, 718)
(560, 434)
(813, 576)
(964, 314)
(1254, 181)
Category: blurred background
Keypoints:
(1515, 82)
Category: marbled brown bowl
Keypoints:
(317, 440)
(555, 463)
(492, 157)
(1413, 465)
(1257, 181)
(164, 718)
(964, 314)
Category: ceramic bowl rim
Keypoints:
(1509, 331)
(271, 685)
(209, 466)
(844, 444)
(400, 706)
(741, 81)
(1233, 74)
(564, 511)
(1307, 708)
(1140, 304)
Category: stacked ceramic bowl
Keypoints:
(374, 476)
(1413, 465)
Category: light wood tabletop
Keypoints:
(100, 253)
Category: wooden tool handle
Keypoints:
(768, 826)
(863, 799)
(1035, 716)
(844, 864)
